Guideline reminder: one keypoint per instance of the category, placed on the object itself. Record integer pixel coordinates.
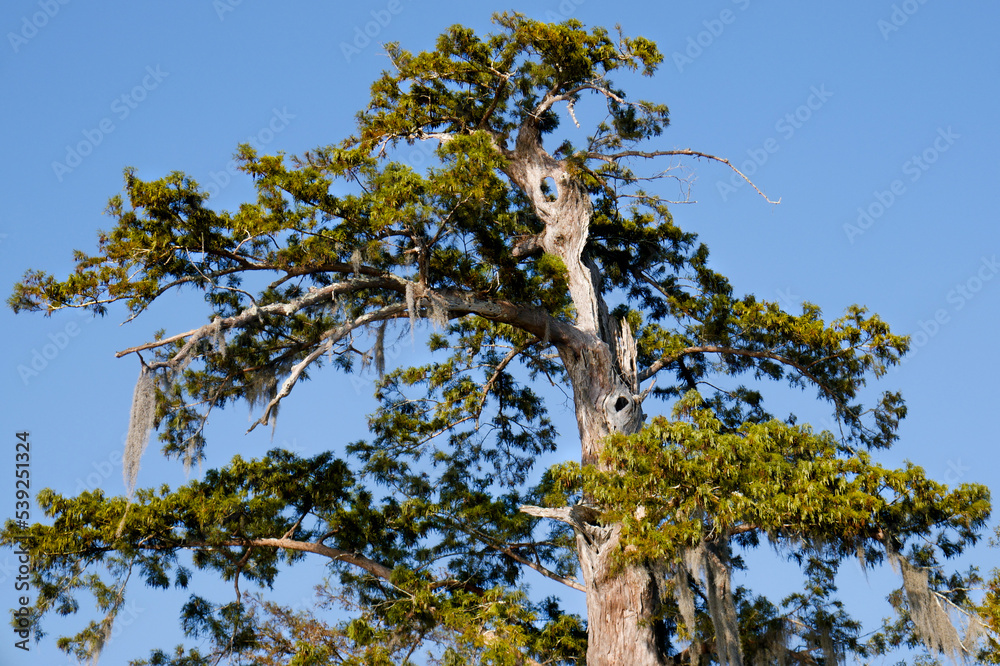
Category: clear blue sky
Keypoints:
(874, 122)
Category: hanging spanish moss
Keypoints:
(831, 654)
(438, 311)
(933, 624)
(685, 604)
(379, 351)
(190, 454)
(356, 260)
(101, 636)
(773, 650)
(140, 425)
(217, 338)
(411, 305)
(335, 306)
(974, 630)
(709, 561)
(263, 387)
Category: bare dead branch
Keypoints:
(329, 338)
(570, 97)
(253, 312)
(508, 550)
(614, 157)
(569, 582)
(371, 566)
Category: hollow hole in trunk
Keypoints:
(621, 403)
(549, 188)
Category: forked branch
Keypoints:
(328, 340)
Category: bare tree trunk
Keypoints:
(622, 603)
(620, 606)
(601, 363)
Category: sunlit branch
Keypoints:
(253, 312)
(613, 158)
(329, 338)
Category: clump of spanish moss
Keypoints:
(774, 648)
(831, 653)
(217, 338)
(438, 311)
(356, 261)
(140, 425)
(933, 624)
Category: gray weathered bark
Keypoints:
(600, 359)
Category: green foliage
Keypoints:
(680, 481)
(690, 480)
